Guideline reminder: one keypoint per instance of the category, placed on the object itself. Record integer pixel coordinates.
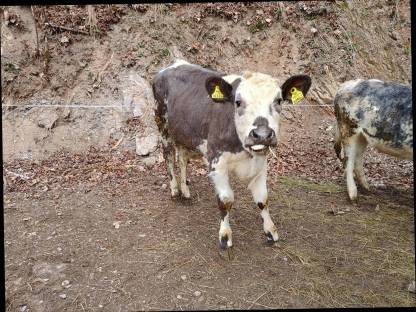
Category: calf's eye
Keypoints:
(238, 103)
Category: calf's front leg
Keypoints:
(258, 188)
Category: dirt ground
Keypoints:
(90, 227)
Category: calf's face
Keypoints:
(257, 100)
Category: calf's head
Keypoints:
(257, 100)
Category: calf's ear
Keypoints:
(218, 89)
(299, 82)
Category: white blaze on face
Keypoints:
(257, 93)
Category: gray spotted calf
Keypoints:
(230, 121)
(376, 113)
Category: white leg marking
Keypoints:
(225, 230)
(174, 191)
(350, 153)
(268, 225)
(170, 160)
(222, 185)
(358, 168)
(219, 177)
(258, 188)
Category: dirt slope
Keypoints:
(89, 224)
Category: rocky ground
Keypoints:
(89, 224)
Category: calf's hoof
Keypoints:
(270, 240)
(364, 189)
(352, 194)
(225, 242)
(174, 191)
(185, 193)
(174, 195)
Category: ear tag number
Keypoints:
(297, 95)
(217, 94)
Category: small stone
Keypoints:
(47, 120)
(394, 35)
(116, 224)
(200, 299)
(149, 161)
(179, 296)
(59, 249)
(164, 186)
(337, 32)
(314, 30)
(411, 287)
(64, 39)
(63, 296)
(82, 63)
(377, 208)
(183, 277)
(284, 258)
(147, 144)
(268, 20)
(23, 308)
(66, 284)
(142, 235)
(197, 293)
(100, 305)
(137, 111)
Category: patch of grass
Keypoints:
(278, 13)
(10, 67)
(407, 50)
(327, 187)
(342, 5)
(165, 52)
(260, 25)
(328, 29)
(164, 8)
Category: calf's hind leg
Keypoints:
(169, 155)
(350, 145)
(361, 145)
(183, 162)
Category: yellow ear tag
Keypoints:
(297, 95)
(217, 94)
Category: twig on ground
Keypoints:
(256, 303)
(66, 28)
(36, 30)
(258, 298)
(118, 143)
(98, 78)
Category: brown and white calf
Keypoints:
(376, 113)
(228, 120)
